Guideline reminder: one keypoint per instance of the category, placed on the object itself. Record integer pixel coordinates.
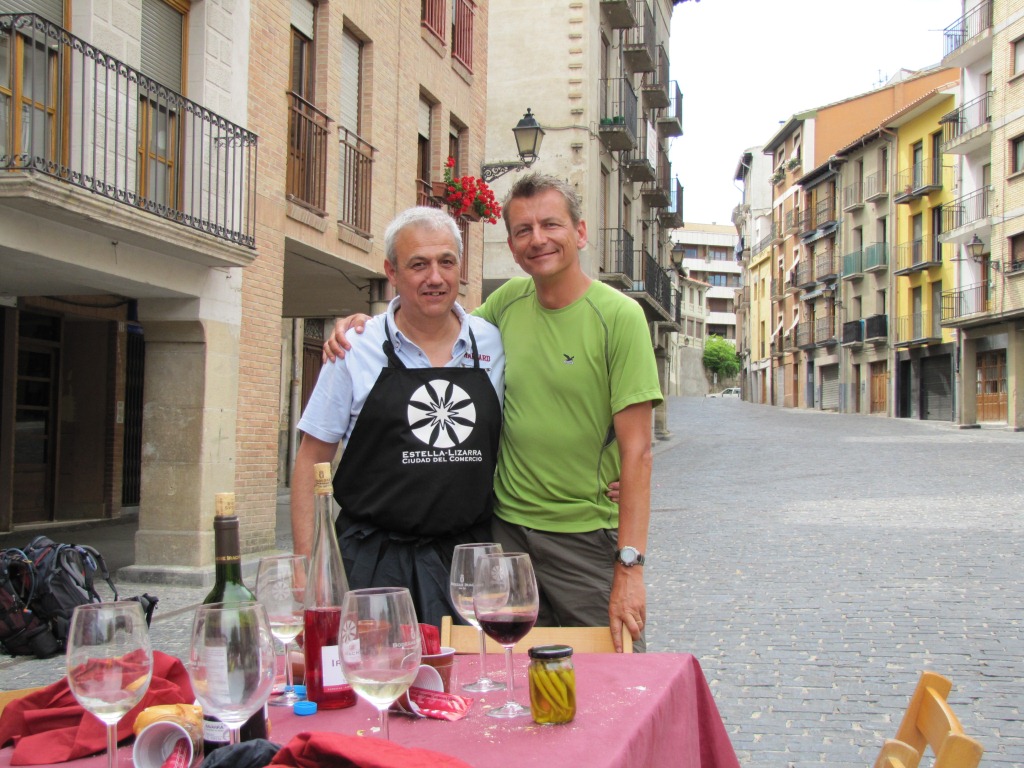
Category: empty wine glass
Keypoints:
(109, 662)
(463, 575)
(231, 661)
(505, 600)
(380, 645)
(281, 589)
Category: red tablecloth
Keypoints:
(649, 710)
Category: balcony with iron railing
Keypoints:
(356, 180)
(618, 121)
(657, 193)
(853, 334)
(970, 32)
(462, 32)
(670, 119)
(805, 274)
(876, 257)
(853, 265)
(103, 127)
(620, 14)
(672, 215)
(638, 163)
(805, 334)
(826, 265)
(965, 212)
(876, 329)
(789, 341)
(824, 213)
(876, 186)
(921, 179)
(806, 222)
(425, 195)
(917, 328)
(306, 173)
(639, 53)
(792, 220)
(617, 245)
(653, 288)
(825, 330)
(765, 241)
(778, 289)
(968, 127)
(967, 303)
(654, 87)
(917, 255)
(853, 196)
(434, 17)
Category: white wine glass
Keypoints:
(506, 603)
(281, 589)
(109, 662)
(231, 661)
(463, 576)
(380, 645)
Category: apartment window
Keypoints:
(917, 158)
(936, 231)
(462, 32)
(28, 89)
(432, 16)
(883, 168)
(356, 161)
(1018, 56)
(1017, 252)
(307, 126)
(880, 308)
(1017, 154)
(423, 153)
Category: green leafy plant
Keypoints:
(468, 193)
(720, 357)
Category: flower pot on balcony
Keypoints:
(619, 120)
(471, 215)
(439, 189)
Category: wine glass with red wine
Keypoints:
(505, 601)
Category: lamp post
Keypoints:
(528, 135)
(976, 250)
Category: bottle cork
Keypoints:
(224, 504)
(322, 475)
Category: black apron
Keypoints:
(417, 477)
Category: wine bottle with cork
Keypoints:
(326, 586)
(229, 588)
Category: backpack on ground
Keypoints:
(22, 633)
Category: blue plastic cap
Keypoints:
(300, 690)
(304, 708)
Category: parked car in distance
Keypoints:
(727, 392)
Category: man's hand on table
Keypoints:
(628, 605)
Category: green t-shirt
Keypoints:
(568, 371)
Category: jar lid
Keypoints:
(550, 651)
(304, 708)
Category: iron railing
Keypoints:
(306, 175)
(655, 83)
(93, 122)
(922, 253)
(825, 329)
(876, 185)
(966, 118)
(804, 273)
(825, 212)
(670, 119)
(918, 178)
(462, 33)
(425, 195)
(356, 181)
(825, 265)
(654, 282)
(805, 334)
(917, 326)
(876, 327)
(966, 210)
(433, 17)
(853, 263)
(853, 195)
(967, 27)
(969, 300)
(876, 256)
(638, 43)
(618, 245)
(792, 218)
(853, 332)
(765, 241)
(618, 111)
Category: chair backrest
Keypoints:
(896, 754)
(930, 722)
(464, 639)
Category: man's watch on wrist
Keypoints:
(629, 556)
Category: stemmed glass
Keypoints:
(281, 588)
(506, 603)
(380, 645)
(463, 576)
(109, 662)
(231, 661)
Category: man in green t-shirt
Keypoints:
(580, 385)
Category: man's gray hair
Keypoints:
(431, 219)
(533, 184)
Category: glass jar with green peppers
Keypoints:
(552, 684)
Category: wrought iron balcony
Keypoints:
(853, 334)
(653, 288)
(853, 265)
(638, 43)
(617, 127)
(916, 328)
(960, 128)
(876, 257)
(657, 193)
(617, 247)
(876, 329)
(792, 219)
(654, 88)
(306, 174)
(805, 334)
(804, 274)
(620, 14)
(825, 330)
(670, 119)
(824, 212)
(672, 216)
(853, 196)
(95, 123)
(356, 182)
(826, 265)
(638, 164)
(920, 179)
(967, 302)
(876, 186)
(967, 210)
(806, 223)
(918, 255)
(967, 27)
(765, 241)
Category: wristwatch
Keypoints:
(629, 556)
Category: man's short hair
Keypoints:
(533, 184)
(431, 219)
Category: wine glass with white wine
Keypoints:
(281, 588)
(109, 662)
(463, 575)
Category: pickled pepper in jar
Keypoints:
(552, 684)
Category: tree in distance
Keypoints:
(720, 357)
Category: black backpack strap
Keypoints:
(94, 563)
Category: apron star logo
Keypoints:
(441, 414)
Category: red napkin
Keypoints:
(430, 640)
(50, 726)
(315, 750)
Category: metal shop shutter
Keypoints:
(51, 10)
(830, 388)
(937, 388)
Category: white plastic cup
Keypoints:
(156, 741)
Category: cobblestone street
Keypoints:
(815, 563)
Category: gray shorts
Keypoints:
(574, 572)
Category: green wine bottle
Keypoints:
(229, 588)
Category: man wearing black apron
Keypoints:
(417, 405)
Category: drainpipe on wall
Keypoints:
(295, 399)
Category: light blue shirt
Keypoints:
(344, 385)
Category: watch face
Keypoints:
(628, 555)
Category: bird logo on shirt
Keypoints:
(569, 359)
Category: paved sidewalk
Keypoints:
(815, 563)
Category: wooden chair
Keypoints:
(6, 697)
(930, 722)
(464, 639)
(896, 754)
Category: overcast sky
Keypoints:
(746, 66)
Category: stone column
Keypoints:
(968, 381)
(661, 431)
(188, 445)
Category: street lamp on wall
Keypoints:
(976, 250)
(528, 135)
